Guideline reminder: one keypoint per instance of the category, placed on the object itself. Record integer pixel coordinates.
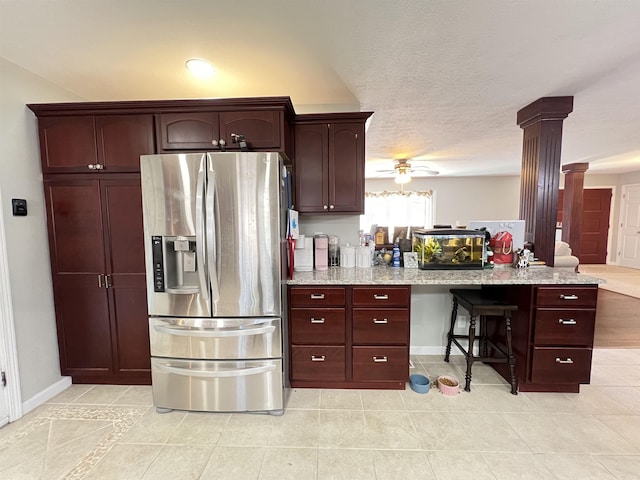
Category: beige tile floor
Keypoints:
(113, 432)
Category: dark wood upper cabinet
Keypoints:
(108, 143)
(261, 129)
(329, 163)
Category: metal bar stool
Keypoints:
(480, 305)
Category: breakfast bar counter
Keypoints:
(500, 275)
(355, 327)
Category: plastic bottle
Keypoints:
(395, 257)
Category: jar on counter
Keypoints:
(347, 256)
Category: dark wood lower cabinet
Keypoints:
(97, 259)
(349, 336)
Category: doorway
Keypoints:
(629, 232)
(595, 224)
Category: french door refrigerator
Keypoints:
(214, 227)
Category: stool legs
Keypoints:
(470, 358)
(510, 356)
(454, 315)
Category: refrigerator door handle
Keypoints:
(214, 333)
(200, 231)
(211, 235)
(242, 372)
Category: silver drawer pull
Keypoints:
(317, 296)
(317, 320)
(571, 321)
(380, 320)
(568, 297)
(381, 297)
(559, 360)
(317, 358)
(379, 359)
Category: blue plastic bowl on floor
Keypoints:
(419, 383)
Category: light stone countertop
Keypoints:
(500, 275)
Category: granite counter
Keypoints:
(500, 275)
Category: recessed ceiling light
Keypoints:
(200, 68)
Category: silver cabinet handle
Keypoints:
(222, 142)
(107, 281)
(571, 321)
(91, 166)
(325, 207)
(559, 360)
(382, 320)
(380, 359)
(98, 166)
(381, 297)
(568, 297)
(331, 207)
(100, 280)
(317, 358)
(317, 320)
(317, 296)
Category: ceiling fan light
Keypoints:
(200, 68)
(402, 177)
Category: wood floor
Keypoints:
(617, 321)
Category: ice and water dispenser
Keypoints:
(174, 264)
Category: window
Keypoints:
(397, 210)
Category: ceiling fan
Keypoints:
(402, 170)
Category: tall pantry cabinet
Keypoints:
(90, 162)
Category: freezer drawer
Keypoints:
(217, 386)
(215, 339)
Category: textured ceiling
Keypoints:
(444, 78)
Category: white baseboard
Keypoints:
(46, 394)
(436, 350)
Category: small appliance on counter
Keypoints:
(441, 249)
(303, 256)
(334, 251)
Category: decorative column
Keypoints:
(540, 175)
(573, 205)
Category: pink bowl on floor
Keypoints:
(447, 389)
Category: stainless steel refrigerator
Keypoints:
(214, 227)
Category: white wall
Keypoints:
(26, 237)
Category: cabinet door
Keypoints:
(261, 129)
(77, 260)
(67, 144)
(312, 168)
(346, 168)
(187, 131)
(122, 139)
(122, 200)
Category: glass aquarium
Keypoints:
(443, 249)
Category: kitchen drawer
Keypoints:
(566, 296)
(318, 363)
(382, 296)
(380, 363)
(317, 325)
(318, 296)
(564, 326)
(561, 365)
(381, 326)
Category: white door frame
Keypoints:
(8, 349)
(621, 217)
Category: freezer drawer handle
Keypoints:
(380, 359)
(317, 320)
(381, 297)
(571, 321)
(568, 297)
(242, 372)
(317, 358)
(214, 333)
(317, 296)
(568, 360)
(380, 321)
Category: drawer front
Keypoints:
(382, 296)
(561, 365)
(318, 363)
(564, 326)
(217, 386)
(317, 325)
(381, 326)
(319, 296)
(380, 363)
(567, 296)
